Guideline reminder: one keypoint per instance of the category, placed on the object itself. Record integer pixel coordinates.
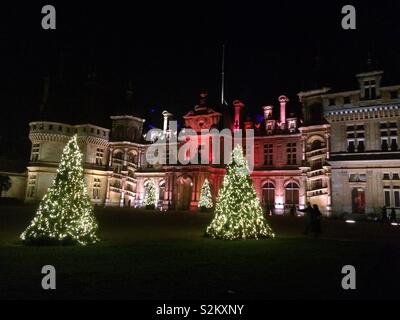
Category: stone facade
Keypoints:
(290, 160)
(365, 156)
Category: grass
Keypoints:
(148, 255)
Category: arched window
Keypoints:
(316, 145)
(292, 193)
(119, 155)
(133, 157)
(268, 191)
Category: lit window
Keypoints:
(355, 138)
(99, 156)
(96, 188)
(35, 152)
(31, 193)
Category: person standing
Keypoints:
(392, 217)
(384, 218)
(316, 224)
(309, 214)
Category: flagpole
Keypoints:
(223, 76)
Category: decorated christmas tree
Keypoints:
(65, 214)
(238, 212)
(205, 201)
(150, 195)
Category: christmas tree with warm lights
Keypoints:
(150, 195)
(65, 214)
(238, 212)
(205, 201)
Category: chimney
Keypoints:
(283, 100)
(238, 105)
(166, 115)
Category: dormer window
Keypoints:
(370, 89)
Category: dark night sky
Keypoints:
(171, 50)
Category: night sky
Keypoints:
(170, 51)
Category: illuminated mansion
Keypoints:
(289, 159)
(342, 155)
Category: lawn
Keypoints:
(148, 255)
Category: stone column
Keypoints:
(110, 158)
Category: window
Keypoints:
(268, 154)
(355, 138)
(350, 146)
(393, 144)
(31, 193)
(396, 193)
(316, 164)
(393, 95)
(292, 126)
(133, 156)
(35, 152)
(317, 184)
(347, 100)
(392, 196)
(386, 176)
(387, 198)
(384, 144)
(96, 188)
(268, 194)
(370, 89)
(332, 101)
(117, 169)
(99, 156)
(358, 177)
(292, 193)
(389, 136)
(316, 145)
(393, 176)
(291, 153)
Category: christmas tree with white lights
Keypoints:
(150, 195)
(205, 201)
(65, 214)
(238, 212)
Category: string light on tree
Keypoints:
(238, 212)
(150, 195)
(205, 201)
(65, 214)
